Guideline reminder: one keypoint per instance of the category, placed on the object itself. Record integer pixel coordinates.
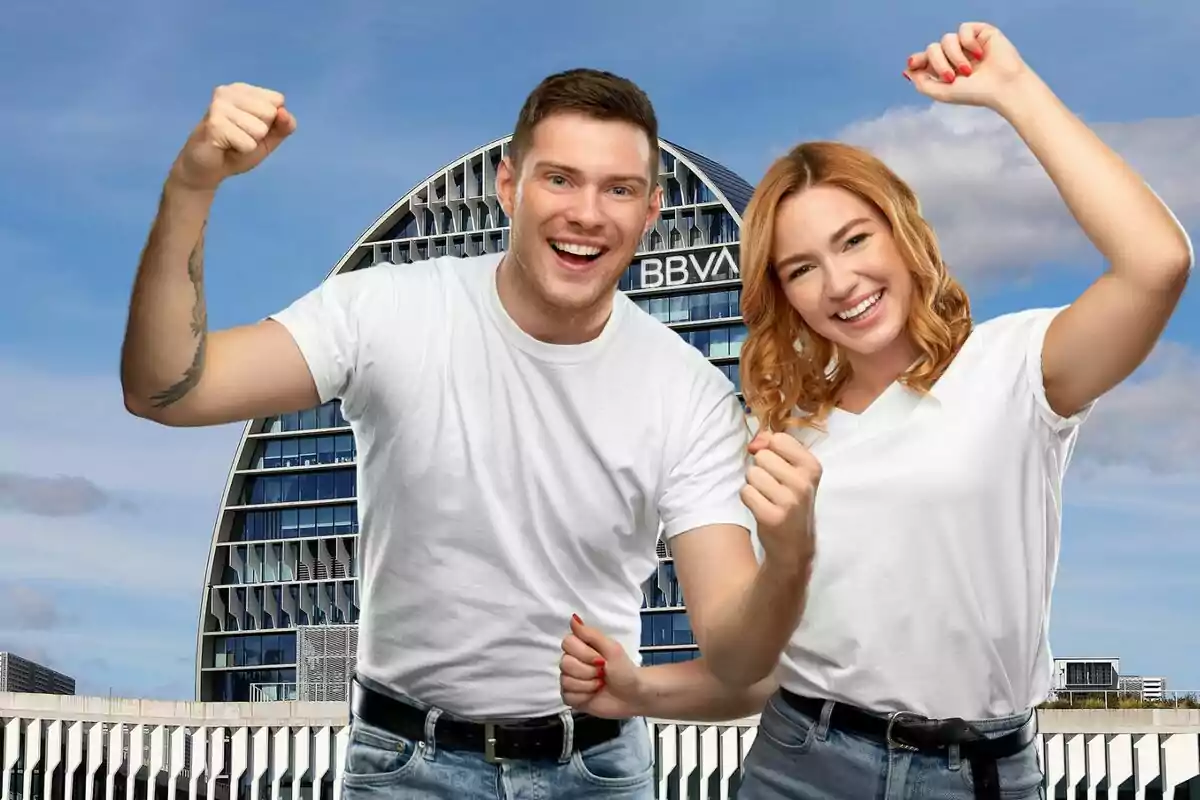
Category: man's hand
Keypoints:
(780, 491)
(597, 677)
(242, 126)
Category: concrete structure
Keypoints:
(284, 549)
(54, 748)
(1086, 674)
(19, 674)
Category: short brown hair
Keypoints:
(784, 365)
(592, 92)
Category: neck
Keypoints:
(542, 320)
(872, 374)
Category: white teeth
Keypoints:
(861, 308)
(576, 249)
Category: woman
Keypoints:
(943, 445)
(923, 646)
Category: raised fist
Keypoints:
(780, 491)
(975, 65)
(242, 126)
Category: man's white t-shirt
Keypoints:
(938, 523)
(506, 483)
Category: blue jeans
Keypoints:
(797, 757)
(383, 766)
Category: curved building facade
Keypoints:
(279, 612)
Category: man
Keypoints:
(523, 432)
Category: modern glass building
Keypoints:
(280, 603)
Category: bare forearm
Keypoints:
(743, 644)
(163, 356)
(1119, 213)
(690, 692)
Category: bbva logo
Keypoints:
(682, 269)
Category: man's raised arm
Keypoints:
(173, 370)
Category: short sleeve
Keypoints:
(1036, 323)
(326, 325)
(704, 486)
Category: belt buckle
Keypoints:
(489, 744)
(891, 722)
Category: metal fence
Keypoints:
(76, 748)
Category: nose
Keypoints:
(584, 209)
(840, 282)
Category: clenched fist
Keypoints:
(780, 490)
(242, 126)
(975, 65)
(596, 676)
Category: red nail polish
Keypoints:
(979, 54)
(964, 70)
(907, 77)
(576, 618)
(948, 76)
(599, 662)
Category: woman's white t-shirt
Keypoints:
(938, 523)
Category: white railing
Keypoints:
(59, 748)
(1127, 698)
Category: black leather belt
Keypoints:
(532, 739)
(920, 734)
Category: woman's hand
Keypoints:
(975, 66)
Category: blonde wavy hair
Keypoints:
(785, 365)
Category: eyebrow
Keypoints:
(542, 166)
(834, 239)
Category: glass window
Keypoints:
(679, 308)
(718, 343)
(737, 335)
(291, 452)
(274, 449)
(718, 305)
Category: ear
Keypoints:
(654, 210)
(506, 185)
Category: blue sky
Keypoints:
(105, 520)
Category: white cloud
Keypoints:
(990, 202)
(163, 486)
(1151, 421)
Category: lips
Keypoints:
(859, 309)
(576, 255)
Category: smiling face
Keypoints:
(841, 270)
(580, 200)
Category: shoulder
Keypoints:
(1010, 339)
(417, 283)
(679, 365)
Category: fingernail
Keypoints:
(948, 76)
(979, 53)
(599, 662)
(576, 618)
(906, 77)
(964, 70)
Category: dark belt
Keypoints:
(915, 733)
(530, 739)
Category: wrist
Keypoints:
(177, 184)
(787, 568)
(1022, 96)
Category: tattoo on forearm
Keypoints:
(191, 376)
